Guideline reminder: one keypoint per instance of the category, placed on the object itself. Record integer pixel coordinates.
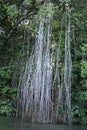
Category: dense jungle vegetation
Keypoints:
(13, 14)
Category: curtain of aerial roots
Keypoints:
(62, 77)
(44, 91)
(35, 84)
(67, 69)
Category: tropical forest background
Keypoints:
(14, 15)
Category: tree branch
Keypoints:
(31, 12)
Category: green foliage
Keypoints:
(83, 96)
(84, 69)
(28, 2)
(46, 10)
(79, 115)
(12, 11)
(6, 107)
(7, 103)
(84, 50)
(79, 86)
(7, 93)
(5, 72)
